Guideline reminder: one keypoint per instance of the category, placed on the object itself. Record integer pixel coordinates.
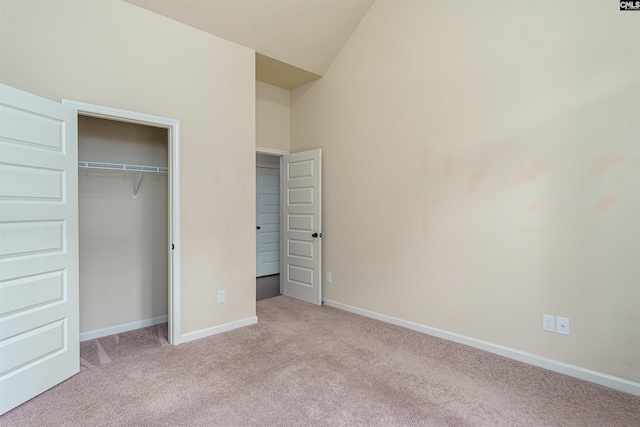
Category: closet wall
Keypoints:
(123, 241)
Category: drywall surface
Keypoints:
(123, 241)
(481, 165)
(272, 117)
(306, 34)
(116, 54)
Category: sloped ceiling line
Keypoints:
(295, 40)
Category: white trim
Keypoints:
(173, 127)
(174, 234)
(282, 221)
(104, 332)
(271, 151)
(521, 356)
(203, 333)
(100, 111)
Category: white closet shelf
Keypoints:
(122, 167)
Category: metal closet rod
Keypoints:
(123, 167)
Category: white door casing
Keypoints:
(267, 221)
(39, 312)
(174, 248)
(302, 242)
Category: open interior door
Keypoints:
(302, 243)
(267, 221)
(39, 311)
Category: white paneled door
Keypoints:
(39, 331)
(302, 243)
(267, 221)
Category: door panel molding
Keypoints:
(268, 221)
(301, 206)
(39, 292)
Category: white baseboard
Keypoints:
(218, 329)
(99, 333)
(521, 356)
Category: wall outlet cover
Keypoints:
(328, 277)
(548, 323)
(222, 296)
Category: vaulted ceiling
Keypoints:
(295, 40)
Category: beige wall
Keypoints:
(481, 164)
(116, 54)
(272, 117)
(123, 241)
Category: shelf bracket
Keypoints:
(135, 190)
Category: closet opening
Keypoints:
(123, 226)
(129, 234)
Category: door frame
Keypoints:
(276, 153)
(173, 126)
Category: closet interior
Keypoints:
(123, 226)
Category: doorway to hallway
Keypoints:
(267, 287)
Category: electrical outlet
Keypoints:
(563, 325)
(222, 296)
(548, 323)
(328, 277)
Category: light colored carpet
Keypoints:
(308, 365)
